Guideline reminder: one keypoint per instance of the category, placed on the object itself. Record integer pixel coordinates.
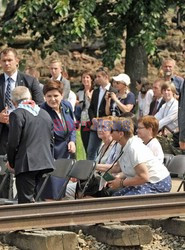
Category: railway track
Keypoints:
(88, 211)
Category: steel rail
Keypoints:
(73, 205)
(89, 216)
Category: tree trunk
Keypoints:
(136, 60)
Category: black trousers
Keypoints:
(85, 133)
(26, 184)
(7, 191)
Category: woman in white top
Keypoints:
(147, 130)
(168, 113)
(145, 97)
(142, 172)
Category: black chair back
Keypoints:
(177, 166)
(62, 169)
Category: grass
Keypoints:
(80, 152)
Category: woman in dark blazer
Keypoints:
(64, 131)
(62, 116)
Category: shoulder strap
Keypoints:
(121, 152)
(101, 153)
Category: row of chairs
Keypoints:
(176, 166)
(84, 169)
(67, 169)
(64, 169)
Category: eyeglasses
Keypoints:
(140, 127)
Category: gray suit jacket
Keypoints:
(67, 87)
(30, 141)
(22, 80)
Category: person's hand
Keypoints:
(107, 96)
(11, 170)
(4, 116)
(71, 147)
(182, 145)
(116, 183)
(113, 96)
(94, 124)
(94, 121)
(73, 179)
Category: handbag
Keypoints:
(92, 186)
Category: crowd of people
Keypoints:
(118, 128)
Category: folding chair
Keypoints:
(3, 172)
(5, 177)
(62, 169)
(167, 159)
(83, 170)
(177, 166)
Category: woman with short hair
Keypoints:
(62, 115)
(64, 131)
(168, 113)
(142, 172)
(147, 130)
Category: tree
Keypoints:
(53, 24)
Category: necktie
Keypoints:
(155, 108)
(8, 94)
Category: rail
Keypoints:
(88, 211)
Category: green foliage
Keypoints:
(80, 152)
(53, 24)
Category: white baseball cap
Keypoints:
(124, 78)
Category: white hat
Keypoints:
(124, 78)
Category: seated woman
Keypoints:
(142, 172)
(123, 101)
(145, 96)
(106, 155)
(147, 130)
(168, 113)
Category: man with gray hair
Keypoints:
(168, 67)
(30, 143)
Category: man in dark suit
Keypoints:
(181, 113)
(158, 101)
(181, 118)
(55, 68)
(8, 81)
(97, 109)
(30, 144)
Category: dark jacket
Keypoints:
(181, 114)
(94, 103)
(22, 80)
(30, 141)
(62, 135)
(152, 106)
